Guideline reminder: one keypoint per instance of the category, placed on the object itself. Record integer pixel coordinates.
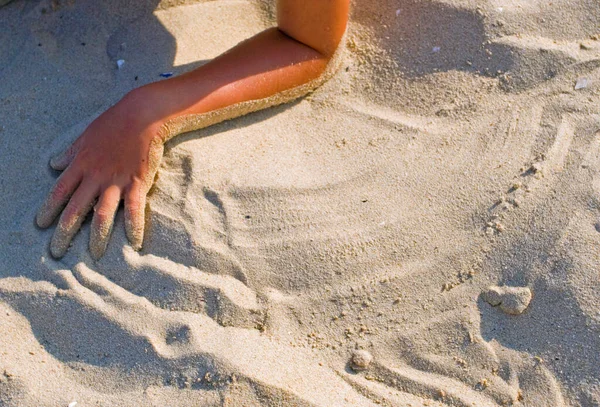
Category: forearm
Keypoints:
(119, 153)
(248, 77)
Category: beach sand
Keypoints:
(423, 230)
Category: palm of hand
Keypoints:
(115, 158)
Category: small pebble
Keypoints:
(582, 83)
(361, 359)
(511, 300)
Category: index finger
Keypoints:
(58, 197)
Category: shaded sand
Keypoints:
(451, 154)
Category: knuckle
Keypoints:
(101, 218)
(60, 190)
(135, 182)
(70, 212)
(94, 171)
(133, 202)
(103, 214)
(82, 156)
(95, 175)
(133, 208)
(72, 150)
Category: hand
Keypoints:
(115, 158)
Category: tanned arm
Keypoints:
(118, 155)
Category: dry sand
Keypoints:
(336, 251)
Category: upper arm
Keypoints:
(320, 24)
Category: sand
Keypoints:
(362, 226)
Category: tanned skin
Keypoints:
(110, 160)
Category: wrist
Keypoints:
(143, 111)
(142, 105)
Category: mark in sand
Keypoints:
(511, 300)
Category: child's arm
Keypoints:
(118, 154)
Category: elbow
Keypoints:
(328, 46)
(318, 24)
(326, 49)
(329, 49)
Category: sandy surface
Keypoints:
(421, 231)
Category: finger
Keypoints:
(62, 161)
(72, 217)
(58, 197)
(102, 223)
(135, 206)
